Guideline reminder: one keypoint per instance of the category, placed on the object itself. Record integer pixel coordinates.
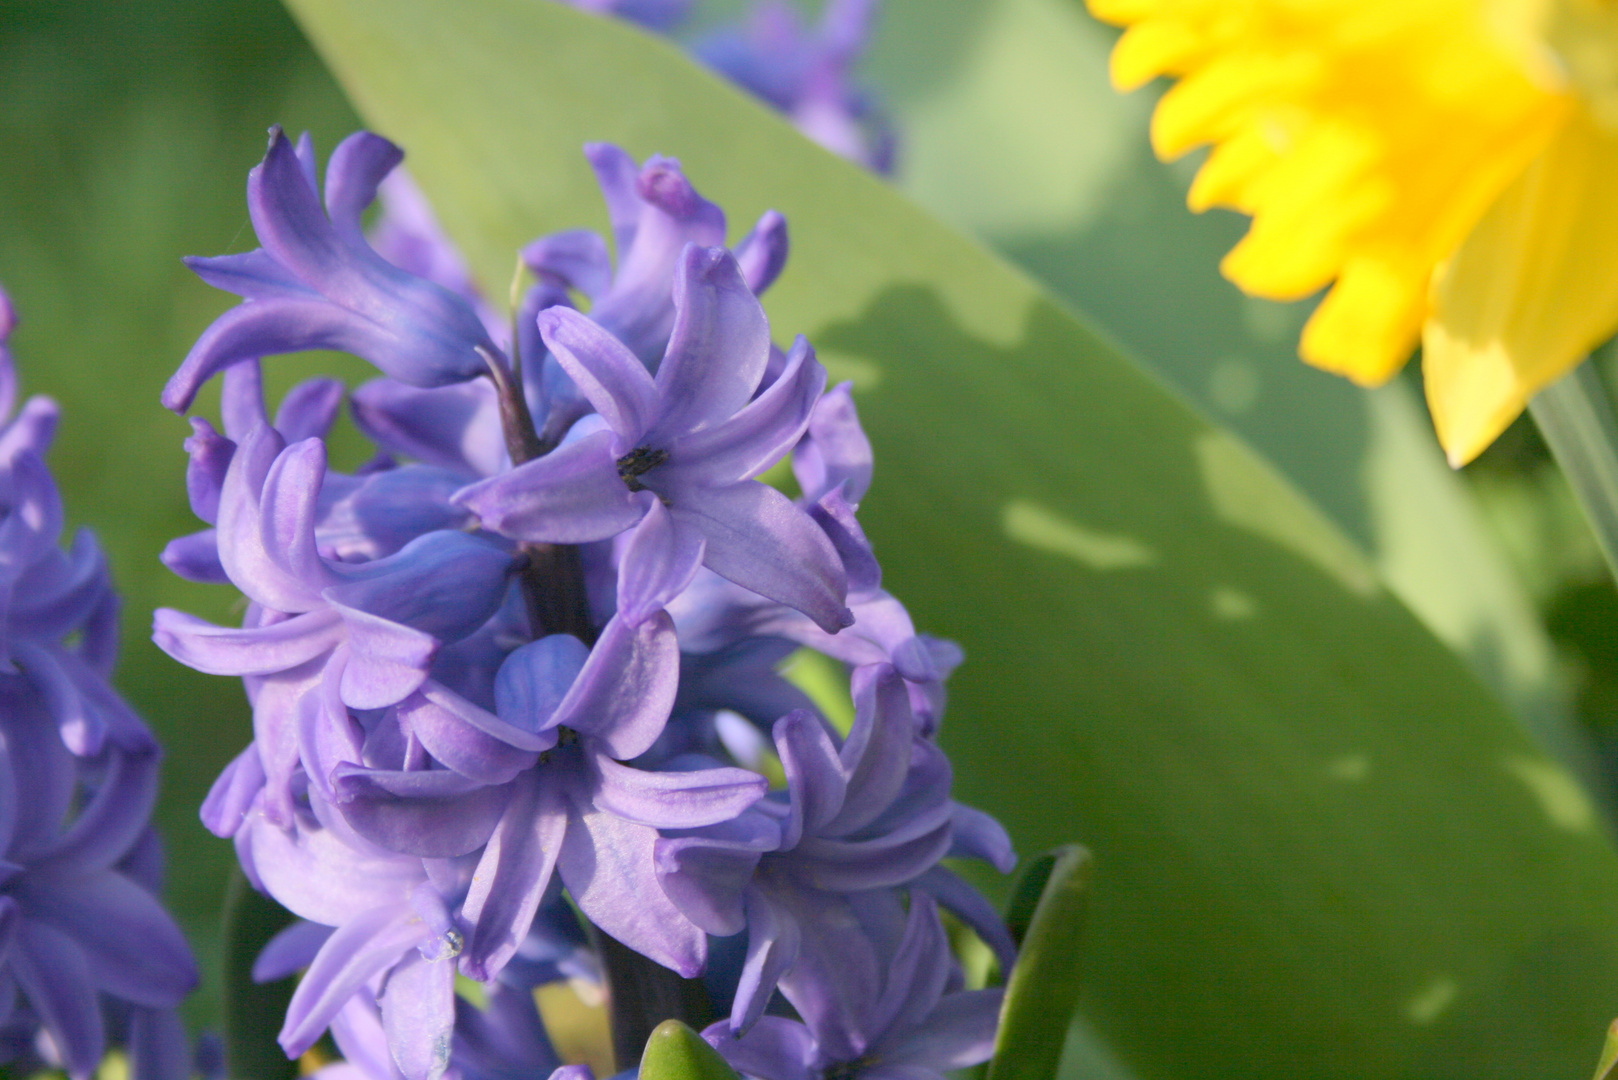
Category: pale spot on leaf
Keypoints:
(1432, 1001)
(1558, 794)
(1231, 604)
(1031, 524)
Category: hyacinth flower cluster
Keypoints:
(524, 665)
(805, 72)
(88, 955)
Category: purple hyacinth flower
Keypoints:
(807, 74)
(394, 613)
(655, 213)
(78, 917)
(873, 813)
(660, 15)
(902, 1015)
(317, 284)
(581, 812)
(695, 439)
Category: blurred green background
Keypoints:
(127, 128)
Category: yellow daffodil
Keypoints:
(1448, 167)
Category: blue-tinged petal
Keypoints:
(761, 434)
(604, 370)
(290, 951)
(309, 409)
(835, 516)
(32, 430)
(210, 454)
(131, 946)
(386, 510)
(970, 906)
(108, 826)
(363, 947)
(773, 942)
(536, 678)
(241, 404)
(252, 274)
(158, 1046)
(446, 584)
(837, 450)
(229, 801)
(356, 167)
(288, 218)
(433, 814)
(775, 1048)
(10, 921)
(357, 1031)
(836, 980)
(285, 324)
(658, 563)
(387, 660)
(83, 727)
(453, 427)
(317, 875)
(958, 1033)
(918, 971)
(980, 836)
(576, 258)
(607, 864)
(707, 875)
(877, 753)
(512, 875)
(762, 254)
(718, 348)
(288, 510)
(573, 495)
(762, 541)
(505, 1039)
(258, 650)
(673, 800)
(854, 866)
(458, 734)
(624, 692)
(616, 172)
(816, 780)
(418, 1013)
(52, 971)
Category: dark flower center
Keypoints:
(848, 1070)
(637, 463)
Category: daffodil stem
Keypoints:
(1575, 414)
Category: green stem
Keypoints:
(1575, 415)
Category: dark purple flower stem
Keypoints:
(641, 992)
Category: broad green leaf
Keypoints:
(253, 1011)
(1013, 132)
(1043, 989)
(675, 1052)
(1327, 847)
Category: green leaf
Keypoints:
(675, 1052)
(1326, 843)
(253, 1011)
(1097, 217)
(1043, 989)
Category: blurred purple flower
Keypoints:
(661, 15)
(808, 74)
(84, 939)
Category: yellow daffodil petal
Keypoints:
(1530, 293)
(1365, 137)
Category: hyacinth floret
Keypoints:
(523, 665)
(88, 955)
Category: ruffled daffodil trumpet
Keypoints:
(1442, 165)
